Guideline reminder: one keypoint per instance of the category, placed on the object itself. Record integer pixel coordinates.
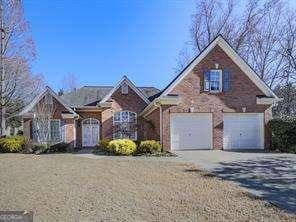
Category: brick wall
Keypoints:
(243, 93)
(131, 101)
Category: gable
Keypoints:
(131, 86)
(130, 101)
(230, 52)
(61, 104)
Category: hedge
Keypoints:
(122, 147)
(283, 134)
(149, 146)
(12, 144)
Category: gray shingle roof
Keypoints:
(89, 95)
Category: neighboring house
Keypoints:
(216, 102)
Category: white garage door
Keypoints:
(191, 131)
(243, 131)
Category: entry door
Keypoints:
(243, 131)
(191, 131)
(90, 132)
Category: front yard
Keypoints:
(65, 187)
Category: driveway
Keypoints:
(271, 176)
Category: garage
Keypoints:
(191, 131)
(243, 131)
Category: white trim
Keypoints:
(267, 101)
(131, 85)
(74, 132)
(235, 58)
(47, 89)
(219, 71)
(164, 100)
(67, 116)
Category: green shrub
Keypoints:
(283, 134)
(103, 144)
(149, 146)
(122, 147)
(12, 144)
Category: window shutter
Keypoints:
(206, 84)
(226, 80)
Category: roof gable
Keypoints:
(47, 89)
(131, 85)
(233, 55)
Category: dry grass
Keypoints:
(65, 187)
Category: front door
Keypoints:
(90, 132)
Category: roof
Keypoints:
(227, 48)
(90, 95)
(47, 89)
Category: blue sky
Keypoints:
(99, 41)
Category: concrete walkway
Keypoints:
(271, 176)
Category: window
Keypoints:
(55, 133)
(124, 123)
(43, 131)
(124, 88)
(213, 80)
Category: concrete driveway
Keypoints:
(271, 176)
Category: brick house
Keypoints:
(216, 102)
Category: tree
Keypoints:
(254, 29)
(287, 107)
(69, 82)
(43, 113)
(17, 84)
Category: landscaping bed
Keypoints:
(65, 187)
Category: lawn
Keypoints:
(66, 187)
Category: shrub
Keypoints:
(149, 146)
(104, 143)
(39, 148)
(122, 147)
(58, 148)
(12, 144)
(283, 134)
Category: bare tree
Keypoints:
(43, 113)
(16, 52)
(70, 82)
(254, 29)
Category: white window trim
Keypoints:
(120, 121)
(220, 81)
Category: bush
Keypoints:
(283, 134)
(122, 147)
(149, 146)
(104, 143)
(58, 148)
(12, 144)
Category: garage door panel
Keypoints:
(191, 131)
(243, 131)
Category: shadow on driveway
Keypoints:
(273, 178)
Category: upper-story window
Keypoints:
(124, 123)
(213, 80)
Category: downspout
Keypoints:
(160, 127)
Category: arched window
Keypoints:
(90, 121)
(124, 125)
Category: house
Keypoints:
(216, 102)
